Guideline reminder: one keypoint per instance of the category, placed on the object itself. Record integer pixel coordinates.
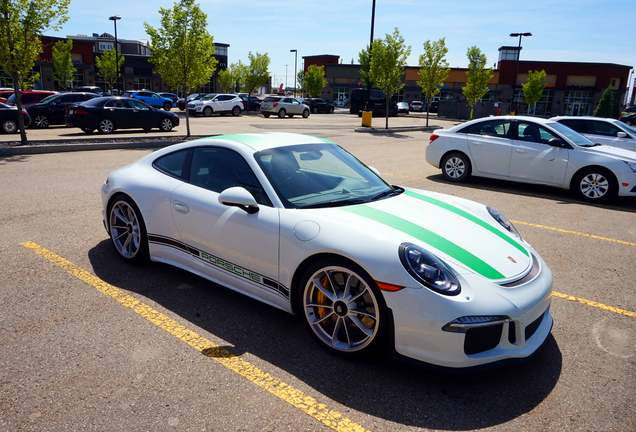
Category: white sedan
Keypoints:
(533, 150)
(602, 130)
(302, 225)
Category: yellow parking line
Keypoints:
(295, 397)
(595, 304)
(574, 232)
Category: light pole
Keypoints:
(114, 19)
(295, 66)
(514, 84)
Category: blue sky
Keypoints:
(563, 30)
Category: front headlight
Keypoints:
(428, 270)
(631, 165)
(504, 222)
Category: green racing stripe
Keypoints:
(468, 216)
(429, 237)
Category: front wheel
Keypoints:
(456, 167)
(330, 110)
(207, 111)
(282, 113)
(595, 185)
(306, 113)
(127, 230)
(106, 126)
(343, 308)
(41, 121)
(9, 126)
(315, 110)
(266, 115)
(166, 124)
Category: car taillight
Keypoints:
(81, 112)
(24, 111)
(275, 104)
(433, 138)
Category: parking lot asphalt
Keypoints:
(88, 342)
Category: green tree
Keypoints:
(364, 57)
(604, 107)
(533, 89)
(478, 77)
(22, 22)
(182, 48)
(256, 73)
(315, 80)
(108, 65)
(433, 70)
(387, 65)
(63, 62)
(226, 81)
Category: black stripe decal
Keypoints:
(221, 264)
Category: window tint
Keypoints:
(495, 128)
(218, 169)
(604, 128)
(578, 125)
(534, 133)
(172, 163)
(138, 105)
(116, 103)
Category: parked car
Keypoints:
(629, 119)
(173, 97)
(51, 110)
(151, 98)
(89, 89)
(254, 102)
(365, 265)
(433, 107)
(31, 97)
(376, 103)
(5, 94)
(216, 104)
(631, 109)
(533, 150)
(602, 130)
(181, 102)
(417, 106)
(9, 118)
(317, 105)
(283, 106)
(403, 107)
(112, 112)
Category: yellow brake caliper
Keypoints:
(321, 298)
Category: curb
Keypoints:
(397, 129)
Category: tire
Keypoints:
(594, 184)
(315, 110)
(330, 110)
(167, 106)
(306, 113)
(41, 121)
(87, 130)
(207, 111)
(343, 308)
(9, 126)
(282, 113)
(127, 230)
(105, 126)
(236, 111)
(266, 115)
(456, 167)
(166, 124)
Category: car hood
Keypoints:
(460, 232)
(616, 152)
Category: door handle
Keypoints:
(520, 151)
(181, 207)
(476, 143)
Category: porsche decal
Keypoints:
(221, 264)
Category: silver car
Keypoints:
(283, 106)
(602, 130)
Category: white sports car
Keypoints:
(300, 224)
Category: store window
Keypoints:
(577, 103)
(341, 96)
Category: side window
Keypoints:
(66, 98)
(578, 125)
(218, 169)
(116, 103)
(534, 133)
(138, 105)
(494, 128)
(173, 163)
(605, 129)
(156, 96)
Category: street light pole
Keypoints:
(295, 66)
(114, 19)
(514, 84)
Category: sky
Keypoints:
(562, 30)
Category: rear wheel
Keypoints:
(456, 167)
(9, 126)
(266, 115)
(166, 124)
(127, 230)
(330, 110)
(595, 184)
(282, 113)
(315, 110)
(167, 106)
(106, 126)
(236, 111)
(41, 121)
(306, 113)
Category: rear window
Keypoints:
(271, 99)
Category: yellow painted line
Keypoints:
(595, 304)
(576, 233)
(296, 398)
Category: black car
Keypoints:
(173, 97)
(317, 105)
(433, 107)
(109, 113)
(181, 102)
(9, 118)
(90, 89)
(51, 110)
(629, 119)
(255, 103)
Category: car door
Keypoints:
(120, 112)
(57, 108)
(294, 106)
(490, 146)
(228, 244)
(534, 159)
(142, 116)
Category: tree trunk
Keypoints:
(387, 114)
(18, 104)
(185, 101)
(428, 108)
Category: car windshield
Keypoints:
(572, 135)
(49, 98)
(629, 129)
(320, 175)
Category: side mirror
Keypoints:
(621, 135)
(239, 197)
(375, 171)
(556, 142)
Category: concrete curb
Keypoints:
(397, 129)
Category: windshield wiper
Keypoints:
(333, 204)
(398, 190)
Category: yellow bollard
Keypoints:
(366, 118)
